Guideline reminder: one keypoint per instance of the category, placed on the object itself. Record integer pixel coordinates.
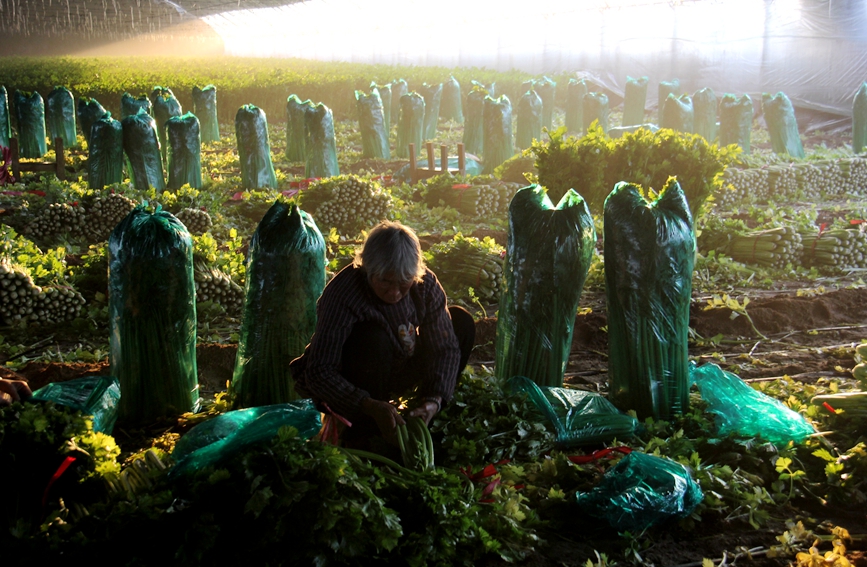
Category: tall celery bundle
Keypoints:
(474, 124)
(859, 119)
(664, 89)
(546, 89)
(782, 125)
(410, 124)
(529, 120)
(371, 122)
(142, 149)
(296, 133)
(254, 148)
(735, 121)
(205, 109)
(105, 162)
(319, 143)
(398, 89)
(165, 106)
(596, 109)
(452, 107)
(678, 113)
(130, 105)
(384, 92)
(649, 255)
(433, 96)
(185, 155)
(285, 277)
(704, 106)
(498, 146)
(60, 116)
(152, 316)
(30, 112)
(575, 91)
(634, 101)
(89, 111)
(5, 124)
(547, 259)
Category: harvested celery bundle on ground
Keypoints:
(371, 122)
(410, 124)
(295, 132)
(142, 149)
(347, 203)
(465, 263)
(205, 109)
(774, 247)
(185, 155)
(254, 148)
(319, 144)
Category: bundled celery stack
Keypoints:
(105, 212)
(466, 262)
(348, 203)
(773, 248)
(215, 285)
(478, 197)
(57, 219)
(197, 221)
(21, 299)
(836, 248)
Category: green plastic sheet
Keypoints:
(410, 124)
(678, 114)
(498, 146)
(89, 111)
(596, 108)
(664, 89)
(30, 115)
(451, 107)
(96, 396)
(859, 119)
(105, 162)
(634, 101)
(165, 106)
(319, 144)
(205, 109)
(474, 122)
(60, 116)
(490, 89)
(130, 105)
(384, 92)
(371, 121)
(529, 125)
(152, 316)
(285, 277)
(254, 148)
(296, 133)
(705, 105)
(735, 121)
(649, 256)
(398, 89)
(185, 151)
(142, 148)
(640, 491)
(432, 95)
(547, 259)
(575, 91)
(782, 125)
(5, 123)
(547, 90)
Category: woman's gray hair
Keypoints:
(391, 247)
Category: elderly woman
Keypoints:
(384, 331)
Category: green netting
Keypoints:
(735, 121)
(575, 91)
(384, 92)
(579, 417)
(30, 116)
(474, 122)
(296, 133)
(747, 412)
(649, 256)
(497, 145)
(5, 123)
(130, 105)
(678, 114)
(254, 148)
(142, 149)
(634, 101)
(89, 111)
(60, 116)
(371, 122)
(96, 396)
(205, 109)
(705, 105)
(165, 106)
(640, 491)
(547, 258)
(152, 316)
(410, 124)
(398, 89)
(782, 125)
(596, 109)
(859, 119)
(432, 95)
(319, 144)
(451, 107)
(529, 126)
(185, 151)
(546, 89)
(664, 89)
(105, 159)
(285, 277)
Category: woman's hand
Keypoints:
(13, 391)
(426, 410)
(386, 417)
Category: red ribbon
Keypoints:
(596, 455)
(57, 474)
(822, 228)
(828, 407)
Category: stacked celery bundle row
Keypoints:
(773, 248)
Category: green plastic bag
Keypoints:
(221, 437)
(596, 109)
(185, 151)
(205, 109)
(634, 101)
(735, 121)
(859, 119)
(705, 105)
(498, 146)
(529, 126)
(640, 491)
(89, 111)
(130, 105)
(474, 122)
(285, 277)
(105, 162)
(165, 106)
(451, 107)
(97, 396)
(547, 90)
(547, 259)
(5, 123)
(575, 91)
(30, 114)
(319, 144)
(664, 89)
(254, 148)
(410, 124)
(152, 316)
(371, 121)
(296, 132)
(490, 90)
(432, 95)
(60, 116)
(649, 256)
(384, 92)
(678, 114)
(579, 417)
(398, 89)
(746, 412)
(142, 148)
(782, 125)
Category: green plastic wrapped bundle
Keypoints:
(747, 412)
(96, 396)
(185, 151)
(254, 148)
(490, 90)
(371, 121)
(285, 277)
(596, 108)
(528, 85)
(60, 116)
(649, 255)
(859, 120)
(410, 124)
(678, 114)
(474, 123)
(498, 146)
(547, 259)
(205, 109)
(296, 133)
(664, 89)
(735, 121)
(640, 491)
(634, 101)
(547, 90)
(105, 162)
(5, 123)
(89, 111)
(575, 91)
(432, 95)
(384, 92)
(529, 126)
(705, 105)
(165, 106)
(451, 107)
(398, 89)
(320, 144)
(30, 115)
(782, 125)
(130, 105)
(152, 316)
(142, 148)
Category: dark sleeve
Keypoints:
(438, 335)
